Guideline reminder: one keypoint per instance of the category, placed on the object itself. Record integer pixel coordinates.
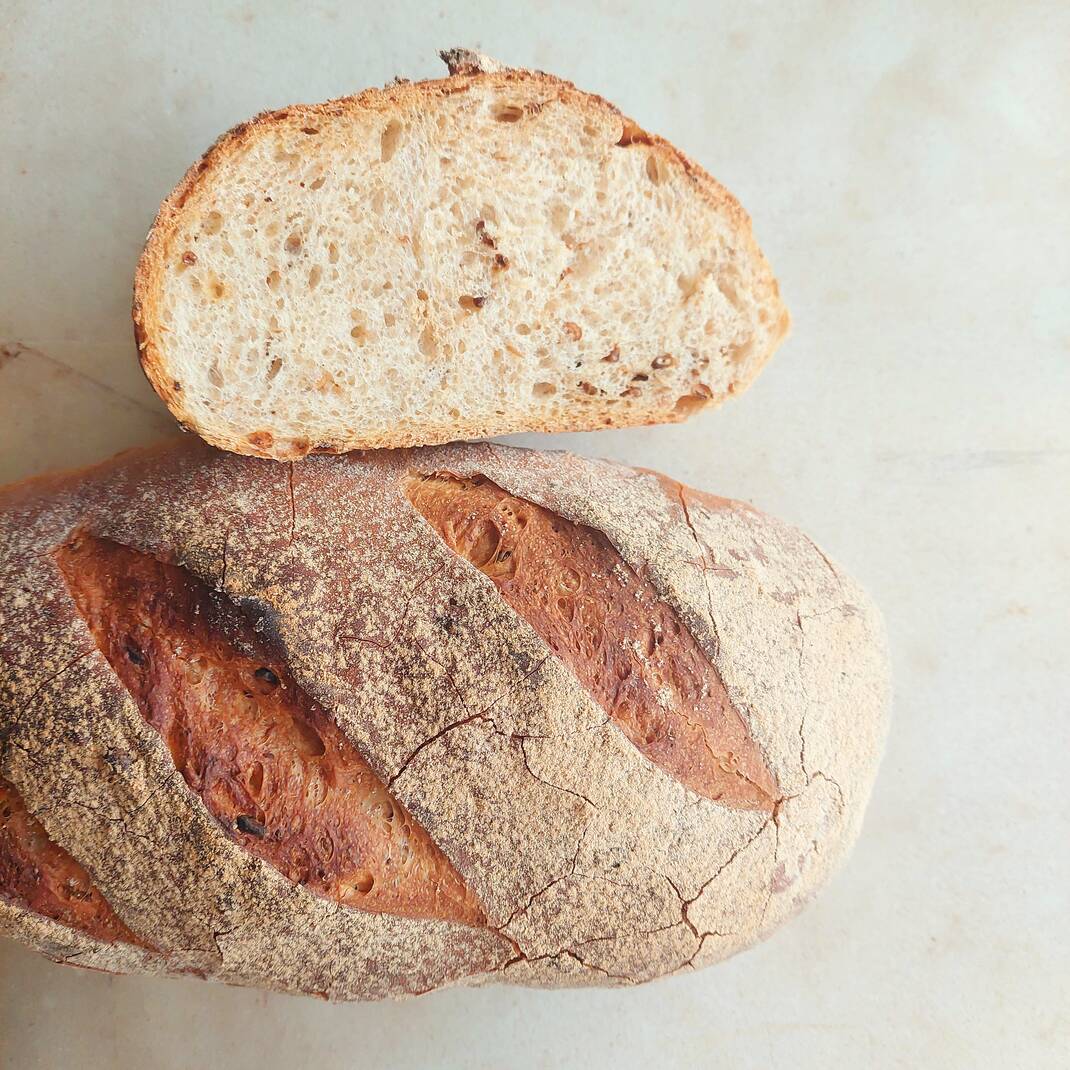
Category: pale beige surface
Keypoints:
(908, 177)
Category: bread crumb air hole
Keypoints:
(509, 113)
(543, 390)
(314, 277)
(213, 223)
(428, 344)
(293, 243)
(689, 405)
(655, 169)
(273, 369)
(388, 143)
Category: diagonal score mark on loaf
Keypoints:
(39, 875)
(629, 649)
(267, 761)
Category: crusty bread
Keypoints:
(488, 253)
(372, 725)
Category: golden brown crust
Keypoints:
(151, 266)
(593, 864)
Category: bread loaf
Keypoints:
(491, 252)
(370, 725)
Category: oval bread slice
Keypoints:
(488, 253)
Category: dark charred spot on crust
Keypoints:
(250, 826)
(117, 759)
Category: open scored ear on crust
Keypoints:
(267, 761)
(41, 876)
(629, 648)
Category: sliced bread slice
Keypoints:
(492, 252)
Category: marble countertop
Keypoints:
(909, 174)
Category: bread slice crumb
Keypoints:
(488, 253)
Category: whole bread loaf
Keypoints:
(491, 252)
(370, 725)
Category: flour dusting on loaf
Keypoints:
(591, 858)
